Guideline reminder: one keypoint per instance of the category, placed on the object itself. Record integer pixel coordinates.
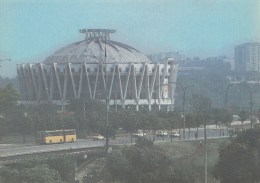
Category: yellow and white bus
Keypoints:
(56, 136)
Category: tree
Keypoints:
(129, 122)
(143, 120)
(35, 174)
(239, 161)
(40, 174)
(155, 123)
(173, 119)
(8, 98)
(202, 105)
(221, 116)
(11, 114)
(236, 164)
(243, 116)
(51, 170)
(189, 122)
(144, 163)
(43, 116)
(64, 165)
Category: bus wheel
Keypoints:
(50, 142)
(60, 141)
(72, 140)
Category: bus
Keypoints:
(56, 136)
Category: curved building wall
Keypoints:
(126, 84)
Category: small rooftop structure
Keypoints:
(97, 33)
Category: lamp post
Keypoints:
(196, 135)
(208, 106)
(2, 125)
(206, 154)
(226, 95)
(25, 116)
(84, 114)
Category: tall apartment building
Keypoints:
(247, 57)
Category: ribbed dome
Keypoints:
(94, 48)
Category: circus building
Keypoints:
(101, 69)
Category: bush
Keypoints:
(239, 161)
(144, 142)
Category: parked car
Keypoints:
(98, 137)
(175, 134)
(161, 133)
(139, 133)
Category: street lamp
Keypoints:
(196, 135)
(206, 148)
(25, 116)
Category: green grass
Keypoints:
(191, 155)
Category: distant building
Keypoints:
(190, 65)
(160, 57)
(247, 57)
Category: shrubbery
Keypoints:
(239, 161)
(53, 170)
(144, 163)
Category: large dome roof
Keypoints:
(95, 48)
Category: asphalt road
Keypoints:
(20, 149)
(14, 150)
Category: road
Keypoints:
(20, 149)
(211, 133)
(15, 150)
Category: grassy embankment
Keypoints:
(191, 155)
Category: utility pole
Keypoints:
(205, 138)
(206, 153)
(183, 113)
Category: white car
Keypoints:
(175, 134)
(161, 133)
(139, 134)
(98, 137)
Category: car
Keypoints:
(98, 137)
(139, 133)
(175, 134)
(161, 133)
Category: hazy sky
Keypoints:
(32, 30)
